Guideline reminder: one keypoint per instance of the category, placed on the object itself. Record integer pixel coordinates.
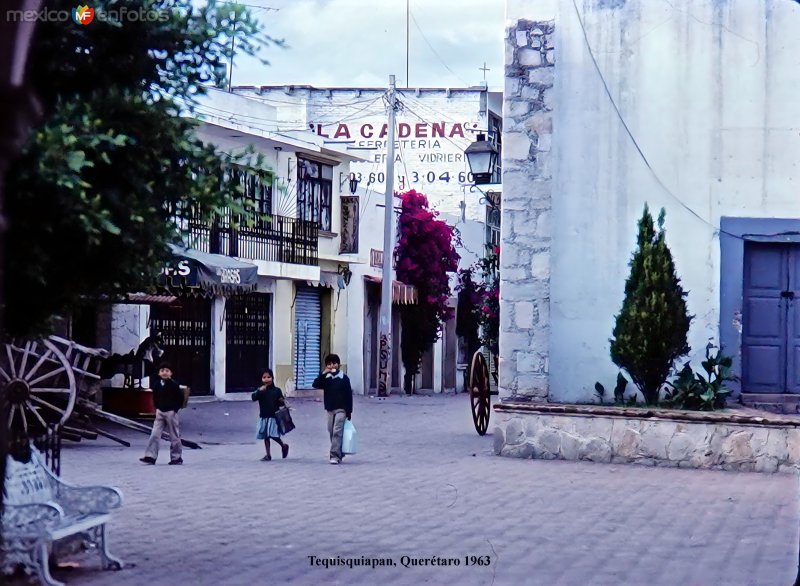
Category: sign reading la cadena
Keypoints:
(404, 130)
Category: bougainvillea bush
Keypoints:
(425, 255)
(484, 297)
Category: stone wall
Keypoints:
(527, 186)
(649, 441)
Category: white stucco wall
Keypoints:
(708, 89)
(370, 237)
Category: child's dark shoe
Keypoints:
(266, 458)
(148, 460)
(285, 450)
(177, 462)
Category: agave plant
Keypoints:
(698, 391)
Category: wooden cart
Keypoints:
(51, 387)
(480, 390)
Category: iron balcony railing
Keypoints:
(270, 238)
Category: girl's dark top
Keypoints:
(269, 399)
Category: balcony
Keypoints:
(272, 239)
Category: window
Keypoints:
(257, 189)
(493, 214)
(314, 191)
(496, 137)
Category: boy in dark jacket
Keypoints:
(168, 400)
(338, 399)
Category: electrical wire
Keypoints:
(232, 115)
(369, 191)
(460, 147)
(427, 42)
(271, 100)
(658, 180)
(428, 107)
(400, 107)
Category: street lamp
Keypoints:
(482, 159)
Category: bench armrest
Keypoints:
(82, 500)
(32, 518)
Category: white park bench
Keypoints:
(41, 509)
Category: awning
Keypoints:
(328, 279)
(215, 273)
(401, 293)
(139, 299)
(147, 299)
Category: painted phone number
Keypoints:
(405, 561)
(415, 177)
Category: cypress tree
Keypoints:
(651, 328)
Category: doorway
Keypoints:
(247, 331)
(771, 320)
(186, 331)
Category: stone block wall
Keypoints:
(649, 441)
(525, 228)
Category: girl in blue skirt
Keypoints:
(269, 398)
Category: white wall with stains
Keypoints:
(708, 90)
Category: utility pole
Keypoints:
(233, 52)
(385, 337)
(408, 13)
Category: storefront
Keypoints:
(201, 286)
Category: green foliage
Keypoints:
(484, 297)
(698, 392)
(599, 391)
(619, 392)
(90, 202)
(651, 328)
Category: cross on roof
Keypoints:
(484, 69)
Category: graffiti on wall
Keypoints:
(384, 356)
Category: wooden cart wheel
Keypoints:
(479, 392)
(40, 386)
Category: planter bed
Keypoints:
(733, 439)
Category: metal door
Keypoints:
(247, 332)
(307, 335)
(771, 333)
(186, 331)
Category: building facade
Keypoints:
(686, 106)
(220, 335)
(434, 126)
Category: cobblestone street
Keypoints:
(424, 485)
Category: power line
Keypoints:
(428, 107)
(448, 139)
(252, 120)
(416, 24)
(369, 191)
(262, 98)
(370, 101)
(633, 139)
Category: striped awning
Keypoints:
(146, 299)
(401, 293)
(140, 299)
(328, 279)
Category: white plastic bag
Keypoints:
(349, 438)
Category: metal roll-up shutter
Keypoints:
(307, 310)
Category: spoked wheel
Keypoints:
(39, 384)
(479, 392)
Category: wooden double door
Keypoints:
(771, 318)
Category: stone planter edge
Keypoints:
(653, 437)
